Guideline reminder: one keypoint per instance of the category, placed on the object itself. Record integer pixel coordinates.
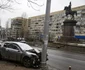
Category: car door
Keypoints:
(14, 53)
(4, 51)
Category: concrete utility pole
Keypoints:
(46, 31)
(0, 29)
(7, 29)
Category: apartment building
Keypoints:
(19, 27)
(16, 24)
(56, 23)
(36, 26)
(80, 27)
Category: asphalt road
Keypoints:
(61, 60)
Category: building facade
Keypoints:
(19, 27)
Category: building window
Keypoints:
(50, 24)
(56, 26)
(36, 23)
(51, 17)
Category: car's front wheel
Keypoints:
(26, 62)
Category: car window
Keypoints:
(6, 45)
(24, 46)
(13, 46)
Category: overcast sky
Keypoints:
(19, 9)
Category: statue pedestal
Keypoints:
(68, 31)
(68, 28)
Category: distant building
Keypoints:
(19, 27)
(16, 24)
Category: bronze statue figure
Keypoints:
(68, 11)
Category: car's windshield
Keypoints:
(24, 46)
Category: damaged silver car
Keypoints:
(21, 52)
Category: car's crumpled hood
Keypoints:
(37, 51)
(30, 53)
(33, 52)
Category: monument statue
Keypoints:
(68, 26)
(68, 11)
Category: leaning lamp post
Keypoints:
(45, 38)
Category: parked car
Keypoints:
(21, 52)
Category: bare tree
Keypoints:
(7, 4)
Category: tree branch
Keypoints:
(33, 7)
(32, 2)
(7, 4)
(17, 2)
